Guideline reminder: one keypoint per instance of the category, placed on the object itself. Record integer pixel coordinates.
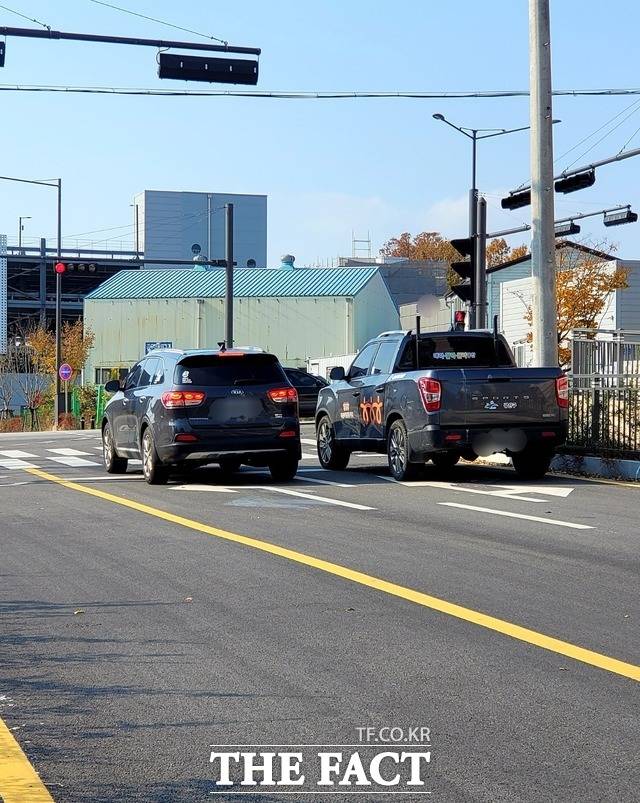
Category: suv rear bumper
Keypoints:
(484, 441)
(256, 454)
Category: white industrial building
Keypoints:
(177, 225)
(293, 313)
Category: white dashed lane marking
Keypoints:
(15, 453)
(74, 461)
(68, 452)
(13, 463)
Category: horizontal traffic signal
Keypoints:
(516, 200)
(566, 229)
(620, 218)
(578, 182)
(206, 68)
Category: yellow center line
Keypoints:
(19, 782)
(434, 603)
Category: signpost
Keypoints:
(153, 345)
(65, 372)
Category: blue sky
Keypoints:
(328, 166)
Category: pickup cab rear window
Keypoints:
(456, 351)
(244, 369)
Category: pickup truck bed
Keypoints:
(466, 397)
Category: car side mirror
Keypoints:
(337, 373)
(113, 386)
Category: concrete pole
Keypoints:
(543, 254)
(473, 229)
(58, 405)
(228, 296)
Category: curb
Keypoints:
(584, 465)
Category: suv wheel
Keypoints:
(532, 463)
(331, 454)
(398, 453)
(284, 469)
(112, 463)
(155, 473)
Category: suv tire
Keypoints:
(112, 463)
(532, 463)
(155, 473)
(398, 453)
(284, 469)
(331, 454)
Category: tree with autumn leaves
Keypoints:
(584, 280)
(432, 245)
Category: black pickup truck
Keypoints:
(441, 396)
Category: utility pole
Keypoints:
(481, 265)
(543, 253)
(228, 297)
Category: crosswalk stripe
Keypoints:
(15, 453)
(74, 461)
(14, 463)
(68, 452)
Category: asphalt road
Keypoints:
(138, 629)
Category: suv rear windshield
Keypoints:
(245, 369)
(456, 351)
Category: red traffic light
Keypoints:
(459, 316)
(60, 267)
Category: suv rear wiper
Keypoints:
(248, 382)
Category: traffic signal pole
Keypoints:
(543, 256)
(480, 267)
(228, 295)
(57, 402)
(473, 228)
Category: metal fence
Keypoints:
(604, 409)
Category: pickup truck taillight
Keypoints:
(172, 399)
(430, 393)
(562, 391)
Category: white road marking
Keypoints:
(315, 498)
(15, 453)
(549, 490)
(68, 452)
(309, 456)
(570, 524)
(134, 462)
(195, 487)
(309, 441)
(325, 482)
(13, 463)
(75, 462)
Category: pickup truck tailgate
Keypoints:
(509, 396)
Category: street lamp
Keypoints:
(20, 228)
(57, 183)
(475, 134)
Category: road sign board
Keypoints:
(65, 372)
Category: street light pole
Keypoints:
(477, 281)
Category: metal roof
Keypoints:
(247, 283)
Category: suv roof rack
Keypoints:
(393, 332)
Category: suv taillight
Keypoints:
(430, 393)
(562, 391)
(171, 399)
(282, 395)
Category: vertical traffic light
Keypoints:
(465, 268)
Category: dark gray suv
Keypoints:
(180, 409)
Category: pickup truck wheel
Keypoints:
(532, 463)
(155, 473)
(331, 454)
(445, 460)
(398, 453)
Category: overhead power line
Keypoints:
(296, 95)
(25, 17)
(160, 22)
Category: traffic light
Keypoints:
(459, 318)
(578, 182)
(620, 218)
(516, 200)
(60, 268)
(464, 268)
(206, 68)
(567, 228)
